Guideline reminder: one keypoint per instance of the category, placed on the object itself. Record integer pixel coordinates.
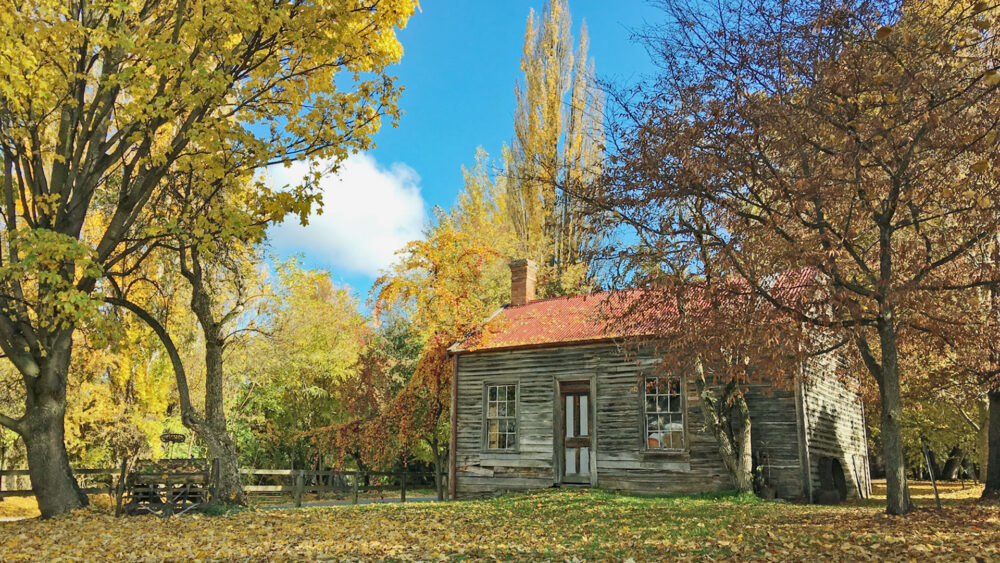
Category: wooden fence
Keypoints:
(90, 480)
(336, 483)
(294, 482)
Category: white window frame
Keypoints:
(490, 416)
(674, 415)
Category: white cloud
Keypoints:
(369, 212)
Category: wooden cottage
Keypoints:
(550, 398)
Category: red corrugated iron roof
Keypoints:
(558, 320)
(592, 317)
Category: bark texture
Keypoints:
(728, 418)
(992, 470)
(953, 465)
(897, 490)
(439, 457)
(213, 430)
(42, 429)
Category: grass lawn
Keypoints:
(550, 524)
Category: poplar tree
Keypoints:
(557, 150)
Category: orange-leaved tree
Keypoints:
(442, 283)
(859, 141)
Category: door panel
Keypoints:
(576, 425)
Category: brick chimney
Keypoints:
(522, 281)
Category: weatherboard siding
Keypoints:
(620, 461)
(835, 425)
(781, 442)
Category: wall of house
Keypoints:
(481, 473)
(777, 440)
(621, 461)
(835, 425)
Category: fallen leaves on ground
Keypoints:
(18, 507)
(545, 525)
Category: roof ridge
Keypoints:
(564, 297)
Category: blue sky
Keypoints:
(461, 61)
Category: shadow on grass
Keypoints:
(952, 493)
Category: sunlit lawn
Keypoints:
(549, 524)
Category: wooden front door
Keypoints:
(577, 428)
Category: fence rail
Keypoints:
(338, 483)
(296, 482)
(90, 485)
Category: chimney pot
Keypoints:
(523, 278)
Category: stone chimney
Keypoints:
(522, 281)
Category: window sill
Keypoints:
(500, 454)
(676, 455)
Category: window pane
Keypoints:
(584, 415)
(500, 412)
(652, 423)
(584, 460)
(570, 460)
(664, 413)
(569, 416)
(661, 385)
(676, 439)
(663, 403)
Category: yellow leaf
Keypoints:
(883, 32)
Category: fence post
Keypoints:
(402, 486)
(356, 475)
(300, 484)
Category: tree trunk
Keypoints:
(221, 448)
(438, 478)
(732, 436)
(214, 432)
(52, 479)
(3, 458)
(992, 469)
(897, 492)
(42, 429)
(953, 464)
(744, 451)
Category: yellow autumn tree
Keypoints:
(100, 100)
(551, 168)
